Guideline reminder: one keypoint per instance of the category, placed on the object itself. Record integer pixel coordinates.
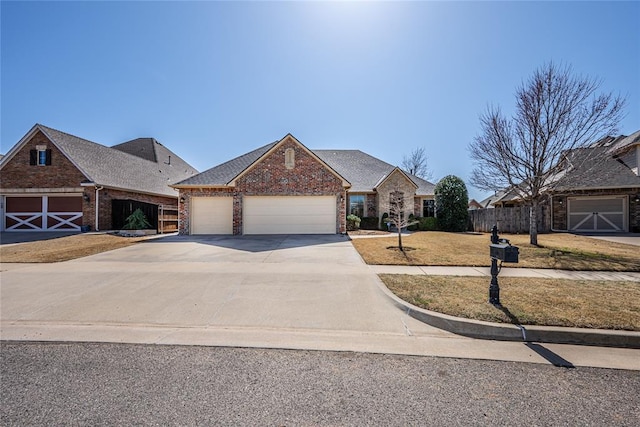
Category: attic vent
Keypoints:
(289, 158)
(169, 162)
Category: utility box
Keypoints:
(503, 252)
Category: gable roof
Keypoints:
(361, 170)
(114, 168)
(290, 138)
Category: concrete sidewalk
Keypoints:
(541, 273)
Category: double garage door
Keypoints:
(597, 213)
(265, 215)
(42, 213)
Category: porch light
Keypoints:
(86, 197)
(181, 199)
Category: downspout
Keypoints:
(98, 205)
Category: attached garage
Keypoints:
(43, 213)
(289, 215)
(606, 214)
(211, 215)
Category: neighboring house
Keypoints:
(286, 188)
(473, 205)
(597, 188)
(54, 181)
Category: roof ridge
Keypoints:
(92, 142)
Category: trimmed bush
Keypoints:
(428, 224)
(369, 223)
(353, 222)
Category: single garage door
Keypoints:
(597, 213)
(212, 215)
(43, 213)
(289, 215)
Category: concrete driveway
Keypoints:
(262, 283)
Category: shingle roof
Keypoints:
(141, 147)
(593, 168)
(360, 169)
(626, 142)
(225, 172)
(117, 169)
(364, 171)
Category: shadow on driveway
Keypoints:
(256, 243)
(9, 238)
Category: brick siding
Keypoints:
(18, 173)
(270, 177)
(105, 197)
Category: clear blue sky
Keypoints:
(213, 80)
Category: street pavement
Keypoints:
(122, 384)
(284, 292)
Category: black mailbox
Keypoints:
(505, 253)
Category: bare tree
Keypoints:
(397, 215)
(416, 163)
(556, 111)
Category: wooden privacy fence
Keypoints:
(167, 219)
(509, 220)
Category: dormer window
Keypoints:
(289, 158)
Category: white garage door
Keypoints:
(598, 213)
(289, 215)
(211, 215)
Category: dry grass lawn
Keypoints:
(64, 248)
(549, 302)
(557, 250)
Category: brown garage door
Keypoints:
(38, 213)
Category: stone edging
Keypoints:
(507, 332)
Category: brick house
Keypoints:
(286, 188)
(596, 189)
(54, 181)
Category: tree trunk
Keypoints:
(533, 223)
(400, 239)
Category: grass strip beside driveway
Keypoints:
(526, 301)
(557, 250)
(64, 248)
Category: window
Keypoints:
(428, 208)
(356, 205)
(40, 156)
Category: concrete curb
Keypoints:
(505, 332)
